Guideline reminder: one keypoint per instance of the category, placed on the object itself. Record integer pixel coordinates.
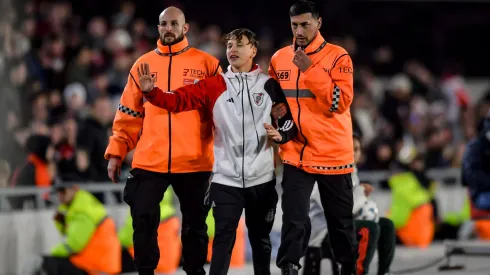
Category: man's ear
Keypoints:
(319, 22)
(254, 52)
(186, 28)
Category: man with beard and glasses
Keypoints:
(317, 79)
(171, 148)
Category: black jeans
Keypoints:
(228, 202)
(127, 263)
(337, 200)
(143, 193)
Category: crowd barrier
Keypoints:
(24, 234)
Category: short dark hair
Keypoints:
(239, 33)
(302, 7)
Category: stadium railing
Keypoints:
(446, 176)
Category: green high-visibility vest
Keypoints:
(406, 195)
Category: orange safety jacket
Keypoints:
(319, 100)
(165, 142)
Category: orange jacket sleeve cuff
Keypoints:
(117, 148)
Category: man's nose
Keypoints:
(168, 28)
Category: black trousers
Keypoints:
(337, 200)
(59, 266)
(386, 245)
(228, 203)
(143, 193)
(127, 263)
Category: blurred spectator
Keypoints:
(396, 105)
(4, 173)
(75, 98)
(482, 110)
(125, 15)
(38, 171)
(212, 44)
(97, 31)
(93, 138)
(64, 138)
(78, 70)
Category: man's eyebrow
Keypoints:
(171, 21)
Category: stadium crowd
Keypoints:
(64, 78)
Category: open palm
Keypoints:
(145, 80)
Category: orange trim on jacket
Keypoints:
(165, 142)
(319, 100)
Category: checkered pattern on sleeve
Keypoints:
(342, 167)
(335, 99)
(130, 112)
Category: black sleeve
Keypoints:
(27, 176)
(85, 139)
(286, 125)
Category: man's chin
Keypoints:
(301, 43)
(168, 41)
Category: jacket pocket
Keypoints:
(131, 187)
(227, 165)
(262, 164)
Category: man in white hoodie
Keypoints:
(240, 102)
(372, 234)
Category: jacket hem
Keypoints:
(238, 182)
(322, 169)
(164, 169)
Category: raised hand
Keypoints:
(301, 60)
(146, 82)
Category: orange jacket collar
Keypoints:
(317, 42)
(172, 48)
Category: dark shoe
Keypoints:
(289, 269)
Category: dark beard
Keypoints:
(177, 40)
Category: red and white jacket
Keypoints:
(240, 104)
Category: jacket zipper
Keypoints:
(253, 116)
(169, 114)
(299, 121)
(243, 134)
